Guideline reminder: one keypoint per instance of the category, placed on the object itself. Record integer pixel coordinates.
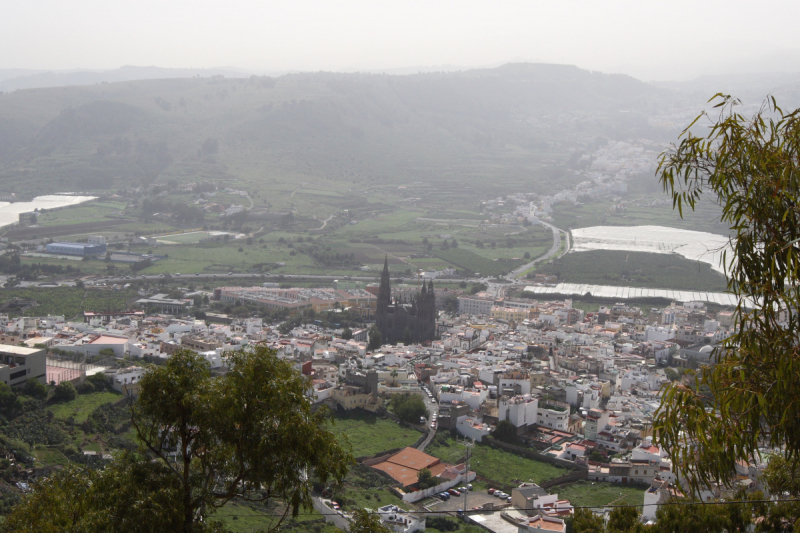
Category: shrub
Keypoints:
(65, 391)
(98, 381)
(85, 388)
(409, 407)
(506, 432)
(34, 388)
(441, 523)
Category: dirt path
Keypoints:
(324, 223)
(298, 188)
(396, 257)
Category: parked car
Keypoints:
(454, 492)
(422, 420)
(491, 491)
(469, 486)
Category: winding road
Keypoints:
(514, 274)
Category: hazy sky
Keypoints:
(650, 39)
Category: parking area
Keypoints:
(456, 503)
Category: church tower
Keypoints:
(384, 299)
(429, 326)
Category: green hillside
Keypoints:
(455, 134)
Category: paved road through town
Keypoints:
(432, 407)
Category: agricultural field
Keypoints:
(369, 434)
(497, 465)
(58, 433)
(83, 405)
(91, 212)
(79, 268)
(472, 262)
(650, 210)
(587, 493)
(380, 228)
(68, 301)
(242, 518)
(635, 269)
(49, 456)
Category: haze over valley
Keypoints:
(431, 242)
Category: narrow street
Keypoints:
(433, 407)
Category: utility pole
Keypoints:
(469, 446)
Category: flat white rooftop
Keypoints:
(17, 350)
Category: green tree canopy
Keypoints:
(506, 432)
(65, 391)
(409, 407)
(748, 398)
(250, 434)
(130, 495)
(9, 402)
(33, 387)
(375, 338)
(585, 521)
(366, 522)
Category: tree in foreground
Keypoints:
(366, 522)
(748, 398)
(129, 495)
(249, 435)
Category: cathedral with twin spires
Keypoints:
(409, 321)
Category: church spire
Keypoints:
(384, 299)
(430, 322)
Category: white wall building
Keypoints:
(521, 411)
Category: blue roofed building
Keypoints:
(76, 248)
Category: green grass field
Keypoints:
(372, 498)
(80, 213)
(472, 262)
(49, 456)
(245, 519)
(587, 493)
(369, 434)
(69, 301)
(83, 405)
(635, 269)
(494, 464)
(638, 212)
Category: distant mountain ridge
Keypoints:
(16, 79)
(510, 124)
